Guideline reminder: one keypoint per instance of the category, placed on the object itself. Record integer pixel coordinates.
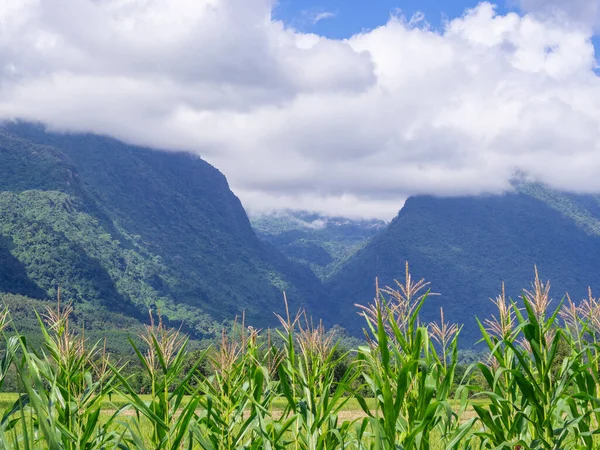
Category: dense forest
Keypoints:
(127, 229)
(469, 246)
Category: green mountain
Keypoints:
(123, 229)
(322, 243)
(466, 247)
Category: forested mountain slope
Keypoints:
(126, 229)
(468, 246)
(123, 229)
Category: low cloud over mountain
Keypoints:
(298, 120)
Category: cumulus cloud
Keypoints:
(578, 12)
(293, 119)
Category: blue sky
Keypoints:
(348, 17)
(344, 18)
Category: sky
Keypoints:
(344, 107)
(341, 19)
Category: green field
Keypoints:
(7, 400)
(351, 410)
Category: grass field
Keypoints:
(7, 400)
(351, 412)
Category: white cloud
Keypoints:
(296, 120)
(575, 12)
(317, 17)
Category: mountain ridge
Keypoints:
(138, 229)
(125, 229)
(468, 246)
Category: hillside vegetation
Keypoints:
(469, 246)
(96, 324)
(126, 229)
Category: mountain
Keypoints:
(322, 243)
(123, 229)
(466, 247)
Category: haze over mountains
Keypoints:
(323, 243)
(123, 229)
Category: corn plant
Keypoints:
(6, 360)
(171, 418)
(582, 324)
(9, 352)
(308, 384)
(533, 397)
(541, 383)
(64, 388)
(411, 385)
(237, 399)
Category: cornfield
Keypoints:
(539, 390)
